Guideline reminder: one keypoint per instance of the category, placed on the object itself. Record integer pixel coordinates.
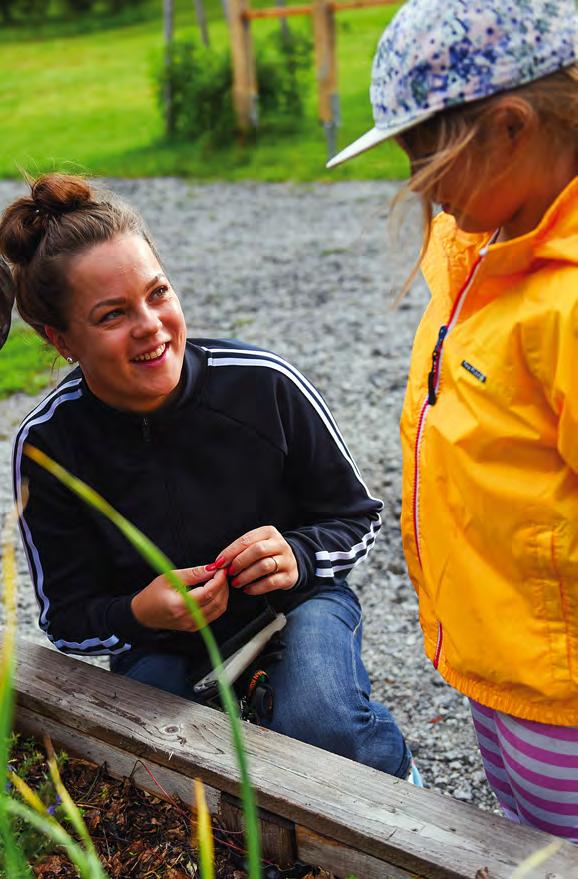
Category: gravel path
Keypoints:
(309, 271)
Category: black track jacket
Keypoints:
(248, 442)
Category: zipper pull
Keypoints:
(433, 373)
(146, 430)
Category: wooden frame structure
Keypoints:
(320, 808)
(322, 12)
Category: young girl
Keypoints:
(483, 97)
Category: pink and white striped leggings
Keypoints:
(532, 769)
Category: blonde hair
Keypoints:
(551, 102)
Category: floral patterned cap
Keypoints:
(439, 53)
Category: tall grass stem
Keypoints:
(162, 565)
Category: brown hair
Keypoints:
(550, 102)
(40, 233)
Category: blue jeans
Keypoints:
(321, 687)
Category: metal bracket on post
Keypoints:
(332, 126)
(254, 111)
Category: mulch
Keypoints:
(137, 835)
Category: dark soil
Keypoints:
(137, 835)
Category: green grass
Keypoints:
(86, 102)
(26, 363)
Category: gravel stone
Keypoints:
(311, 272)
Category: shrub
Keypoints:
(200, 84)
(11, 9)
(21, 11)
(82, 6)
(284, 64)
(200, 80)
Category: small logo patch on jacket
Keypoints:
(475, 372)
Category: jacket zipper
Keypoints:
(432, 379)
(146, 430)
(433, 386)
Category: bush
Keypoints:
(12, 9)
(201, 85)
(20, 11)
(82, 6)
(284, 65)
(201, 89)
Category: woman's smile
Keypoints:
(154, 357)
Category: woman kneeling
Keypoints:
(223, 454)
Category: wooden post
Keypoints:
(202, 21)
(168, 21)
(326, 69)
(244, 69)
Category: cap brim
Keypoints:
(371, 139)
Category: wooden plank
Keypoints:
(281, 841)
(417, 831)
(336, 858)
(120, 764)
(270, 12)
(277, 834)
(287, 11)
(360, 4)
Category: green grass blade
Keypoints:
(162, 564)
(12, 858)
(70, 807)
(86, 862)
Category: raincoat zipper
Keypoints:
(433, 384)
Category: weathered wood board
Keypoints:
(347, 816)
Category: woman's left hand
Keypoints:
(260, 561)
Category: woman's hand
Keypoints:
(159, 605)
(260, 561)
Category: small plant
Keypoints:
(32, 770)
(200, 83)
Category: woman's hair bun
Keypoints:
(24, 223)
(55, 194)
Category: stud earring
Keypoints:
(70, 359)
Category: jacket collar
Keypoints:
(192, 375)
(555, 238)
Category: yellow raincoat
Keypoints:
(490, 458)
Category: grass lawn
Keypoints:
(26, 363)
(86, 102)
